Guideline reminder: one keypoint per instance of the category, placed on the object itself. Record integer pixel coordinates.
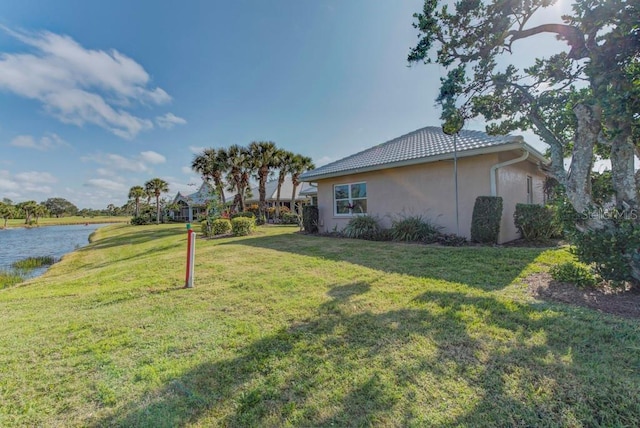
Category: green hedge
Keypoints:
(536, 222)
(242, 226)
(485, 223)
(205, 228)
(310, 218)
(248, 214)
(221, 226)
(289, 218)
(613, 250)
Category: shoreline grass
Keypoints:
(21, 269)
(284, 329)
(9, 278)
(31, 263)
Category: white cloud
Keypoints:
(36, 177)
(49, 141)
(152, 157)
(24, 184)
(79, 85)
(177, 185)
(6, 183)
(104, 172)
(106, 184)
(169, 120)
(187, 170)
(197, 149)
(323, 161)
(117, 162)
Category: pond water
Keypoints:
(56, 241)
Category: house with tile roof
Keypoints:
(193, 205)
(415, 175)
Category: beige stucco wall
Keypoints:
(428, 190)
(512, 186)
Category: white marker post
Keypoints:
(191, 256)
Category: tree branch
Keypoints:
(555, 144)
(573, 36)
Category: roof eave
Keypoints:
(445, 156)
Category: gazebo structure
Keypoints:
(193, 205)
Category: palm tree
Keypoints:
(156, 187)
(211, 164)
(135, 193)
(283, 163)
(263, 157)
(7, 211)
(28, 208)
(240, 169)
(40, 211)
(299, 164)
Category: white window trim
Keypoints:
(351, 213)
(529, 189)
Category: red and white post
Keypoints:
(191, 256)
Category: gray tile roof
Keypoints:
(199, 198)
(415, 146)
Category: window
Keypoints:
(350, 199)
(529, 190)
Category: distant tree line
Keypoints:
(32, 211)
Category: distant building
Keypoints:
(194, 205)
(304, 194)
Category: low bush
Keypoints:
(243, 226)
(221, 226)
(310, 218)
(485, 222)
(205, 227)
(451, 240)
(414, 229)
(247, 214)
(536, 222)
(574, 273)
(362, 227)
(289, 218)
(138, 221)
(384, 235)
(254, 209)
(613, 250)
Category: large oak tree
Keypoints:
(582, 100)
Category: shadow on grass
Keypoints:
(486, 268)
(136, 235)
(340, 368)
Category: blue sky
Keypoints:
(96, 97)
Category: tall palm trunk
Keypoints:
(281, 178)
(157, 208)
(137, 206)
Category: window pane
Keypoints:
(359, 190)
(341, 192)
(342, 207)
(360, 206)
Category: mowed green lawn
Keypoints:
(284, 329)
(62, 221)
